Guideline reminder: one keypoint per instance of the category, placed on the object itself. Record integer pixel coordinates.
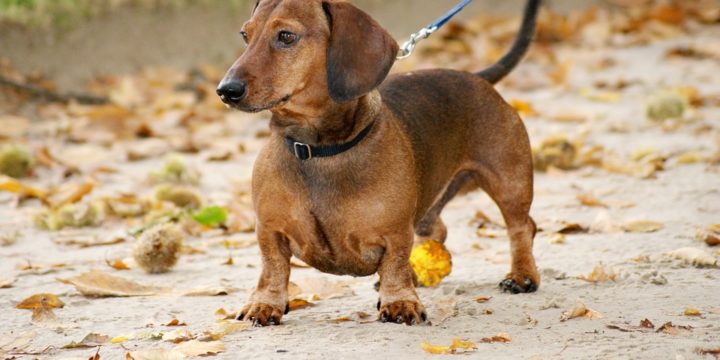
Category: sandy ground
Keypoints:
(647, 284)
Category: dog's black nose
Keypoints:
(232, 92)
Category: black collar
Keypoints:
(306, 152)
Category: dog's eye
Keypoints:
(286, 37)
(244, 36)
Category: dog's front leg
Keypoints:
(399, 302)
(269, 301)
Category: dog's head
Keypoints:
(306, 52)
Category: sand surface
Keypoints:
(646, 283)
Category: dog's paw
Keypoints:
(262, 314)
(522, 285)
(408, 312)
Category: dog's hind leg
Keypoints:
(431, 226)
(512, 190)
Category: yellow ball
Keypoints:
(431, 262)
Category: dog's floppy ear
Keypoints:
(360, 52)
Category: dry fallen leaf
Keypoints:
(693, 256)
(71, 193)
(590, 200)
(175, 322)
(200, 348)
(297, 304)
(710, 235)
(41, 306)
(224, 327)
(642, 226)
(99, 284)
(691, 311)
(321, 289)
(501, 338)
(557, 239)
(14, 186)
(155, 354)
(86, 240)
(673, 330)
(580, 311)
(6, 283)
(16, 344)
(457, 346)
(178, 336)
(645, 326)
(89, 341)
(117, 264)
(714, 352)
(483, 299)
(599, 274)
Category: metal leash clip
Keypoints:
(408, 47)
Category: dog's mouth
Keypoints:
(258, 108)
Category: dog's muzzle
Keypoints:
(232, 92)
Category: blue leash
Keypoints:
(408, 47)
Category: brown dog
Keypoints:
(357, 164)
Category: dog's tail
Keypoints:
(499, 70)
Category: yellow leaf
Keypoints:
(600, 96)
(431, 262)
(692, 312)
(483, 299)
(590, 200)
(522, 107)
(119, 339)
(11, 185)
(453, 348)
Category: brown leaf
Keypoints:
(501, 338)
(297, 304)
(41, 306)
(207, 291)
(89, 341)
(229, 261)
(99, 284)
(599, 274)
(714, 352)
(645, 326)
(199, 348)
(6, 283)
(117, 264)
(580, 311)
(483, 299)
(572, 228)
(711, 235)
(673, 330)
(590, 200)
(176, 322)
(178, 336)
(71, 193)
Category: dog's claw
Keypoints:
(399, 319)
(287, 308)
(261, 314)
(378, 305)
(241, 317)
(511, 286)
(423, 316)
